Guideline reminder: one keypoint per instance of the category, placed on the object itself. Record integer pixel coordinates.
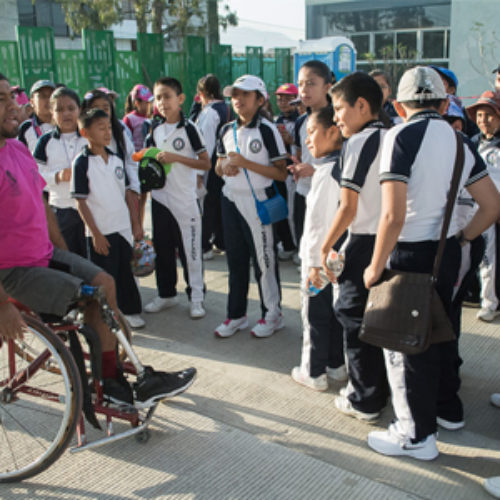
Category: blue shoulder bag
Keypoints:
(271, 210)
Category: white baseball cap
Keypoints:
(420, 83)
(248, 83)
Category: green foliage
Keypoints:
(91, 14)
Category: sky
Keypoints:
(286, 17)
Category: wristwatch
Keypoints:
(462, 240)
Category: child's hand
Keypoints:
(228, 169)
(314, 277)
(63, 175)
(137, 231)
(236, 160)
(101, 244)
(301, 170)
(285, 135)
(329, 273)
(166, 157)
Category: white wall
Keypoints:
(8, 19)
(473, 69)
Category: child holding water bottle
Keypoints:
(322, 346)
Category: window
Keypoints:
(26, 12)
(433, 44)
(44, 13)
(406, 45)
(362, 44)
(384, 46)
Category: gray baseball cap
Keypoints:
(40, 84)
(420, 83)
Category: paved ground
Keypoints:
(245, 430)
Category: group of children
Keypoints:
(328, 162)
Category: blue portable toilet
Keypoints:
(337, 52)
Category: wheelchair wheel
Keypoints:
(39, 406)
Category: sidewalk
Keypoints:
(245, 430)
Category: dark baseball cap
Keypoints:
(497, 69)
(40, 84)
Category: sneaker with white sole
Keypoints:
(485, 314)
(495, 399)
(160, 303)
(389, 442)
(285, 254)
(449, 425)
(135, 320)
(339, 374)
(492, 486)
(197, 310)
(316, 383)
(208, 255)
(231, 326)
(343, 404)
(266, 327)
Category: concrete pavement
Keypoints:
(245, 430)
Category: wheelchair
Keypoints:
(45, 396)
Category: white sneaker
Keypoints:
(495, 399)
(390, 443)
(160, 303)
(197, 311)
(485, 314)
(339, 374)
(265, 328)
(208, 255)
(135, 320)
(492, 486)
(230, 327)
(285, 254)
(345, 406)
(317, 383)
(449, 425)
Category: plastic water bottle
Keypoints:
(334, 262)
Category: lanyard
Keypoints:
(36, 127)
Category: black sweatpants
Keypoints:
(117, 263)
(211, 222)
(426, 385)
(365, 363)
(72, 229)
(283, 230)
(299, 213)
(323, 341)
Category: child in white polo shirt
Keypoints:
(99, 182)
(251, 155)
(175, 210)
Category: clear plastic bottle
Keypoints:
(334, 262)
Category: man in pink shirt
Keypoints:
(37, 270)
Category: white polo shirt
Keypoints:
(360, 172)
(422, 153)
(489, 149)
(182, 138)
(209, 122)
(321, 206)
(54, 152)
(31, 130)
(259, 142)
(103, 185)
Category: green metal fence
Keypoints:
(33, 57)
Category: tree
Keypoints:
(141, 9)
(91, 14)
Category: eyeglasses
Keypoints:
(285, 97)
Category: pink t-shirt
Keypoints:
(24, 236)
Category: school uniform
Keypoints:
(322, 337)
(367, 388)
(285, 229)
(210, 120)
(31, 130)
(303, 185)
(103, 185)
(131, 166)
(244, 234)
(54, 152)
(489, 150)
(422, 154)
(175, 211)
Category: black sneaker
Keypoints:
(117, 390)
(154, 386)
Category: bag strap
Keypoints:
(455, 180)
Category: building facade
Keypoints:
(395, 34)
